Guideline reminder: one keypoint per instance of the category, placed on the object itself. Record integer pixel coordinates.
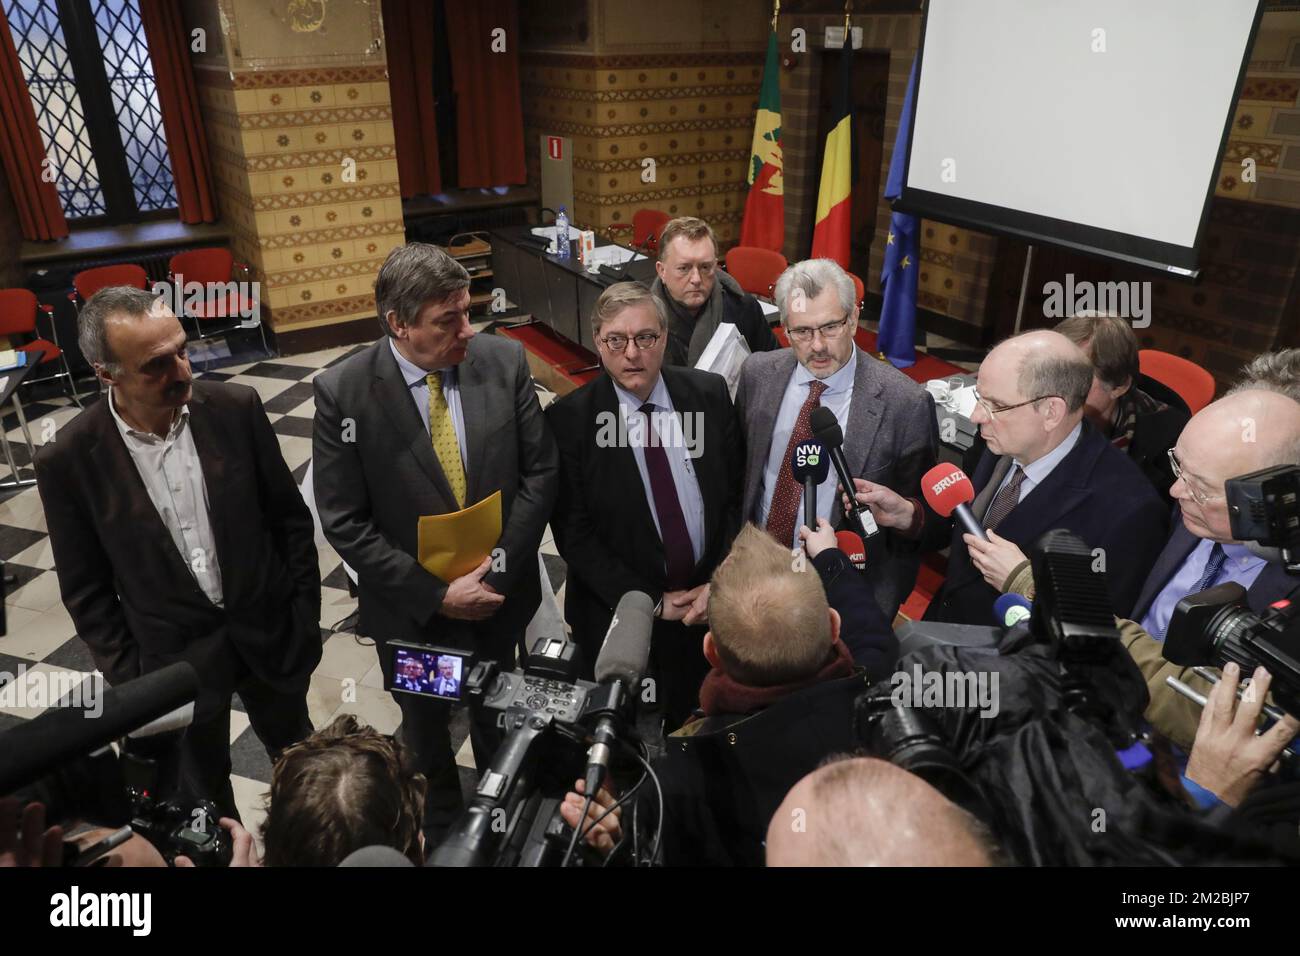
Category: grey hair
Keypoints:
(810, 277)
(92, 335)
(1273, 372)
(1069, 378)
(621, 296)
(413, 275)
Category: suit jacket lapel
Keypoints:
(473, 409)
(980, 506)
(763, 407)
(684, 403)
(621, 461)
(391, 394)
(864, 413)
(1057, 494)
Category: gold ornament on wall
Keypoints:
(305, 16)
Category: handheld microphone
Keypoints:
(810, 466)
(1010, 609)
(619, 669)
(853, 548)
(949, 492)
(826, 429)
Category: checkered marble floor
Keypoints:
(40, 634)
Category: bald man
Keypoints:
(1045, 467)
(867, 812)
(1240, 433)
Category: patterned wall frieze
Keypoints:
(319, 236)
(654, 195)
(262, 162)
(647, 61)
(358, 305)
(642, 129)
(286, 119)
(641, 94)
(662, 162)
(347, 192)
(363, 267)
(273, 79)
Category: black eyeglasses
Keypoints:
(643, 340)
(994, 410)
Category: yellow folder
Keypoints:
(453, 545)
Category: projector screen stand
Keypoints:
(1024, 287)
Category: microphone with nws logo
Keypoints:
(810, 466)
(853, 548)
(826, 429)
(949, 492)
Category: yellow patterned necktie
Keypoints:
(445, 445)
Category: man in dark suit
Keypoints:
(890, 433)
(1242, 432)
(429, 420)
(1045, 467)
(649, 490)
(699, 296)
(179, 534)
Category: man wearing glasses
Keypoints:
(649, 491)
(699, 296)
(890, 433)
(1239, 434)
(1045, 467)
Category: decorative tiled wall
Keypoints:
(686, 99)
(303, 155)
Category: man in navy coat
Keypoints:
(1044, 468)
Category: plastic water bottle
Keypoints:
(562, 248)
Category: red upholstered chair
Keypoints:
(223, 306)
(19, 311)
(756, 269)
(90, 281)
(647, 224)
(1193, 384)
(859, 290)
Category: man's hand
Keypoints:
(815, 542)
(604, 836)
(1227, 758)
(24, 841)
(890, 510)
(678, 603)
(995, 558)
(698, 612)
(245, 853)
(469, 599)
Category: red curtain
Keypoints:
(40, 214)
(408, 31)
(489, 115)
(178, 100)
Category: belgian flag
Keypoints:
(834, 196)
(764, 222)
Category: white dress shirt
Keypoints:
(639, 431)
(173, 477)
(837, 397)
(1037, 472)
(418, 386)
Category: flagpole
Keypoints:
(776, 12)
(848, 12)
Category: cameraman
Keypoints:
(778, 700)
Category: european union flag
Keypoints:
(897, 338)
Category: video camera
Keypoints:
(549, 718)
(114, 767)
(1217, 625)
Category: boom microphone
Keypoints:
(949, 492)
(826, 429)
(619, 669)
(810, 466)
(852, 547)
(61, 734)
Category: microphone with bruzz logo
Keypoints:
(949, 492)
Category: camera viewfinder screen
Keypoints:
(432, 673)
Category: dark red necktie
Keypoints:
(679, 554)
(788, 492)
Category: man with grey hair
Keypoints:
(179, 535)
(649, 491)
(861, 811)
(1045, 467)
(429, 420)
(1274, 372)
(890, 433)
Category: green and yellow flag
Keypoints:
(764, 222)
